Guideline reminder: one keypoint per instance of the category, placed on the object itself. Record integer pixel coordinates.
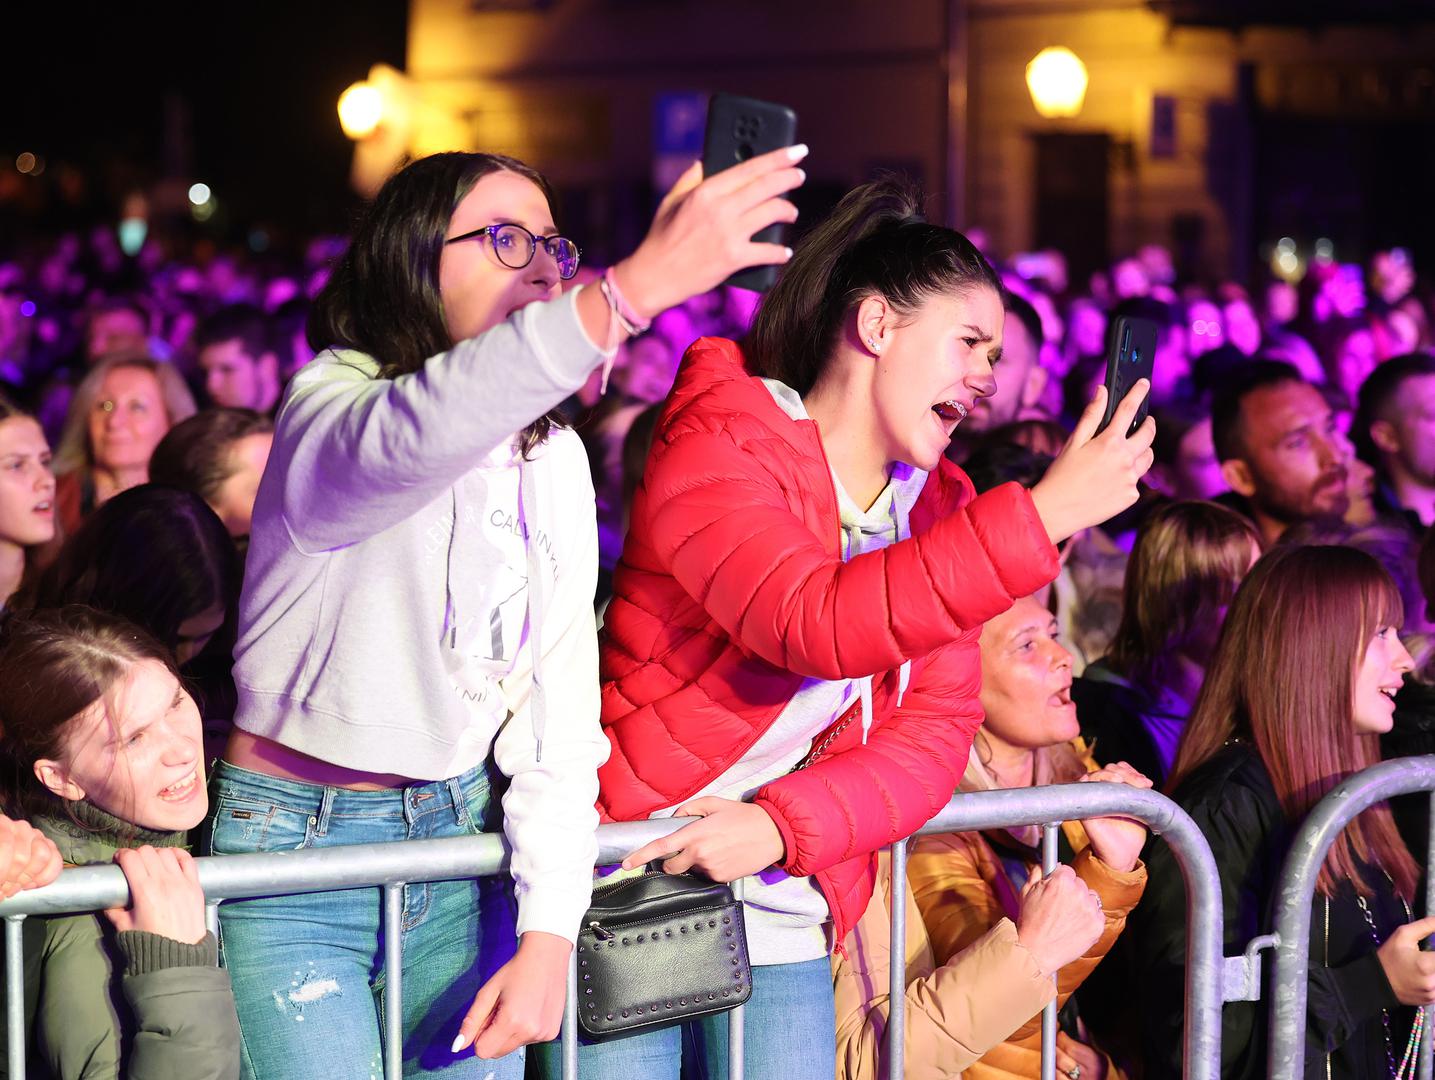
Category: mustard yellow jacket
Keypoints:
(957, 1010)
(963, 892)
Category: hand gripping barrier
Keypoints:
(390, 866)
(1296, 891)
(1048, 807)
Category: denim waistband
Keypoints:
(323, 801)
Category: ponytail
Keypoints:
(875, 241)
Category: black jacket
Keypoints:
(1112, 712)
(1413, 733)
(1232, 801)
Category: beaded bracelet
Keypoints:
(629, 319)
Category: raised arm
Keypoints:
(354, 455)
(737, 548)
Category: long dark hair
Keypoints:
(383, 297)
(53, 666)
(1283, 676)
(874, 242)
(154, 555)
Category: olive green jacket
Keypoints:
(128, 1006)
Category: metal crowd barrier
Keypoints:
(1401, 776)
(1048, 807)
(392, 865)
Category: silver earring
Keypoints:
(872, 344)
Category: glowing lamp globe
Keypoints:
(1057, 80)
(361, 108)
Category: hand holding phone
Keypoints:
(738, 130)
(702, 234)
(1130, 357)
(1095, 476)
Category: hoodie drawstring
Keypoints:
(900, 527)
(450, 617)
(528, 515)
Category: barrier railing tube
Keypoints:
(1050, 806)
(1049, 833)
(391, 866)
(1297, 888)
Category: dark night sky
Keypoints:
(88, 82)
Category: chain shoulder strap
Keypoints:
(821, 748)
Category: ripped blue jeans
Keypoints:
(308, 971)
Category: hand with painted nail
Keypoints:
(165, 895)
(522, 1003)
(28, 859)
(1409, 969)
(703, 230)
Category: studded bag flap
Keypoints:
(658, 949)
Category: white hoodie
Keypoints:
(399, 547)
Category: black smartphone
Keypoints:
(1130, 356)
(739, 128)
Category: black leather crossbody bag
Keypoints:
(660, 949)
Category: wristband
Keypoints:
(631, 321)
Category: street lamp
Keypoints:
(361, 108)
(1057, 80)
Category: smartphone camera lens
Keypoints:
(1136, 355)
(744, 151)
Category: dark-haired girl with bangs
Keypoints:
(1299, 688)
(791, 653)
(417, 654)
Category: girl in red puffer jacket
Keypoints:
(791, 651)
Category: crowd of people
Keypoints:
(441, 531)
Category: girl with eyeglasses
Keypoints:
(417, 654)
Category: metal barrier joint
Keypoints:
(1241, 976)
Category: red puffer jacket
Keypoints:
(731, 591)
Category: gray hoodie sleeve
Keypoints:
(354, 454)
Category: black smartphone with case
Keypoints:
(739, 128)
(1130, 356)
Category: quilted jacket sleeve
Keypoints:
(723, 527)
(900, 778)
(354, 455)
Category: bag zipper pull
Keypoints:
(600, 933)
